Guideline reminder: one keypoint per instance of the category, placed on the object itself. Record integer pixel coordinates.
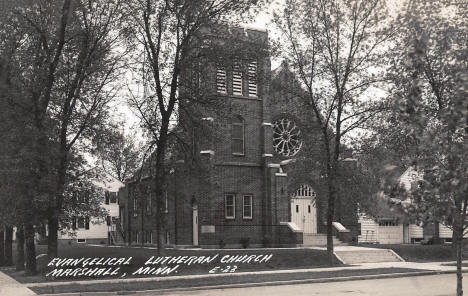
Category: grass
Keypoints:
(185, 283)
(282, 259)
(420, 253)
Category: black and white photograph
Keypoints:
(233, 147)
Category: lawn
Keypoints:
(281, 259)
(230, 280)
(420, 253)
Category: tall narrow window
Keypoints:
(221, 80)
(247, 202)
(230, 206)
(149, 204)
(113, 197)
(252, 78)
(81, 222)
(237, 87)
(148, 237)
(237, 135)
(135, 207)
(82, 197)
(106, 194)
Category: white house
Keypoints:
(388, 230)
(97, 230)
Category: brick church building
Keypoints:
(256, 180)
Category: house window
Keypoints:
(108, 220)
(387, 223)
(221, 81)
(237, 135)
(135, 207)
(107, 197)
(83, 222)
(237, 87)
(247, 204)
(83, 197)
(113, 197)
(230, 206)
(252, 78)
(297, 208)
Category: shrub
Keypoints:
(266, 241)
(222, 244)
(244, 242)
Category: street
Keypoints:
(432, 285)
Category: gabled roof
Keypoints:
(104, 180)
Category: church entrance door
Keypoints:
(304, 214)
(304, 210)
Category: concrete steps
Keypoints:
(117, 238)
(319, 239)
(368, 256)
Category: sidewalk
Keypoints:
(12, 287)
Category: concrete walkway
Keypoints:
(11, 287)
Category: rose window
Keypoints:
(287, 139)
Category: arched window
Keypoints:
(237, 135)
(305, 191)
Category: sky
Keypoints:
(121, 110)
(123, 113)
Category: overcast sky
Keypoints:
(123, 113)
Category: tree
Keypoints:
(430, 76)
(90, 68)
(61, 58)
(336, 50)
(119, 153)
(170, 34)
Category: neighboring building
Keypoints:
(391, 228)
(94, 230)
(388, 230)
(253, 180)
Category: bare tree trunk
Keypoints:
(460, 228)
(19, 248)
(330, 215)
(30, 247)
(8, 245)
(2, 247)
(436, 237)
(159, 183)
(52, 238)
(55, 204)
(459, 260)
(160, 226)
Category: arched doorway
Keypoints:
(304, 209)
